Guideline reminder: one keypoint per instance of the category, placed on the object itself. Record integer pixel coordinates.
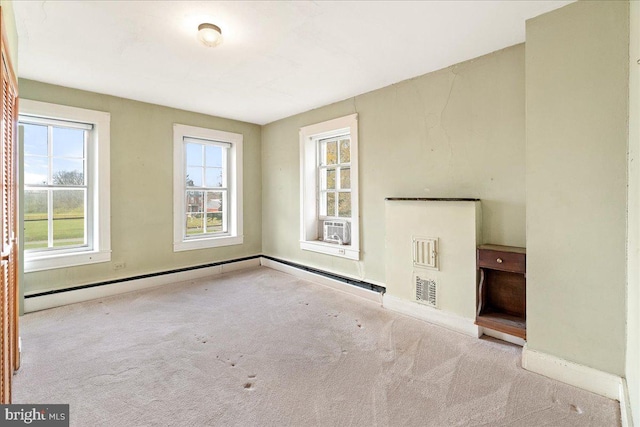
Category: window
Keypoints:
(329, 188)
(207, 188)
(66, 185)
(335, 177)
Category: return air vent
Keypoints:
(425, 252)
(426, 290)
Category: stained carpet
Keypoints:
(262, 348)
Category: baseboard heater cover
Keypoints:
(347, 280)
(142, 276)
(344, 279)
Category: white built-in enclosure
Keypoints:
(431, 259)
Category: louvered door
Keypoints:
(8, 245)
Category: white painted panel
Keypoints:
(455, 224)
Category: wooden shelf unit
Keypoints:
(502, 289)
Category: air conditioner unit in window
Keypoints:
(337, 232)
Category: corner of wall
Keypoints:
(632, 362)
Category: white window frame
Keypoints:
(234, 234)
(310, 240)
(98, 178)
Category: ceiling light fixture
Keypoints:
(209, 35)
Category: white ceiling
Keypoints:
(278, 58)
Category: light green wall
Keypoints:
(9, 20)
(633, 291)
(576, 156)
(458, 132)
(142, 188)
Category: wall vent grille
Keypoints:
(426, 291)
(425, 252)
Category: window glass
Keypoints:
(344, 205)
(345, 151)
(194, 177)
(345, 178)
(67, 172)
(56, 192)
(331, 179)
(68, 217)
(194, 154)
(35, 219)
(68, 142)
(206, 209)
(214, 156)
(214, 177)
(207, 198)
(215, 210)
(35, 140)
(332, 153)
(334, 170)
(36, 170)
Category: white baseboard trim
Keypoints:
(323, 280)
(625, 405)
(584, 377)
(432, 315)
(85, 294)
(502, 336)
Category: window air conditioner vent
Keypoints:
(337, 232)
(426, 290)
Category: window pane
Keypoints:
(36, 170)
(345, 151)
(194, 177)
(215, 211)
(35, 219)
(332, 153)
(194, 154)
(331, 179)
(195, 212)
(214, 177)
(214, 223)
(344, 205)
(68, 217)
(331, 204)
(195, 201)
(35, 140)
(195, 223)
(68, 142)
(345, 178)
(68, 172)
(213, 156)
(214, 201)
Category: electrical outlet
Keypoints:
(119, 265)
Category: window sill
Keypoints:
(52, 261)
(212, 242)
(342, 251)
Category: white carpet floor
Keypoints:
(262, 348)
